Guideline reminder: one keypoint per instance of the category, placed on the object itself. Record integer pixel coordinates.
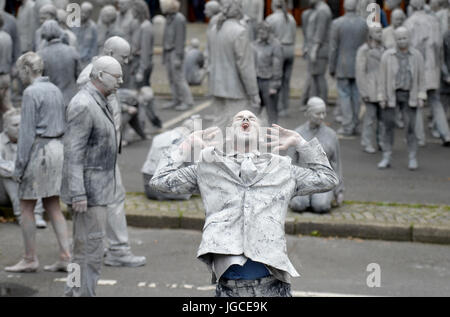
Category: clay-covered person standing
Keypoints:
(26, 25)
(397, 19)
(445, 76)
(269, 69)
(427, 39)
(107, 26)
(173, 55)
(119, 251)
(232, 78)
(142, 46)
(39, 161)
(6, 64)
(10, 27)
(285, 28)
(318, 37)
(402, 85)
(315, 127)
(368, 61)
(246, 192)
(348, 33)
(86, 35)
(63, 71)
(89, 178)
(47, 12)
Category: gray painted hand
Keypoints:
(80, 206)
(282, 139)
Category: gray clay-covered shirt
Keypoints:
(246, 217)
(6, 53)
(42, 115)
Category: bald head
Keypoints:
(106, 75)
(212, 8)
(350, 5)
(316, 111)
(169, 6)
(86, 11)
(195, 43)
(108, 14)
(117, 48)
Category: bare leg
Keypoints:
(29, 228)
(51, 205)
(29, 263)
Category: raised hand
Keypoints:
(282, 139)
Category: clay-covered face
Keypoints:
(263, 34)
(111, 78)
(317, 115)
(85, 14)
(402, 40)
(397, 20)
(44, 16)
(24, 75)
(376, 34)
(245, 127)
(122, 55)
(123, 5)
(12, 128)
(108, 17)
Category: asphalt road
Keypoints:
(430, 184)
(329, 267)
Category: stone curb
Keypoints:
(436, 234)
(340, 229)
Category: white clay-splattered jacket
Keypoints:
(246, 218)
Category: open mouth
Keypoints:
(245, 126)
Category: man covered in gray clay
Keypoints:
(47, 12)
(443, 16)
(212, 11)
(194, 65)
(142, 46)
(119, 251)
(173, 55)
(318, 37)
(348, 33)
(316, 128)
(246, 192)
(232, 78)
(445, 76)
(254, 11)
(162, 145)
(63, 71)
(107, 26)
(6, 65)
(126, 21)
(10, 27)
(26, 25)
(427, 39)
(269, 69)
(402, 85)
(86, 35)
(89, 178)
(285, 28)
(39, 161)
(368, 61)
(397, 19)
(8, 154)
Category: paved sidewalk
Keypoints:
(358, 220)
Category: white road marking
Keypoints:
(100, 282)
(206, 288)
(185, 115)
(152, 285)
(142, 284)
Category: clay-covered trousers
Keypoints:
(116, 224)
(181, 92)
(288, 67)
(88, 234)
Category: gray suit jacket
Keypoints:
(348, 33)
(232, 66)
(90, 150)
